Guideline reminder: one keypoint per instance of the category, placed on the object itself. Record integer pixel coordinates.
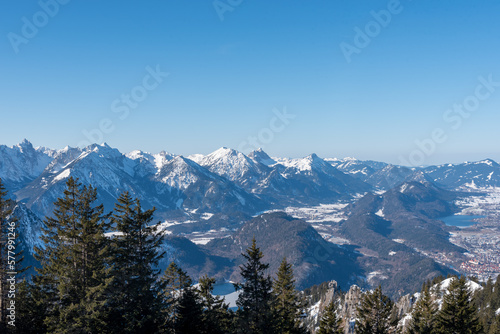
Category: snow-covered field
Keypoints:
(318, 214)
(488, 203)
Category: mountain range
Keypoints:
(235, 196)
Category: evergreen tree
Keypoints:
(173, 282)
(374, 313)
(287, 305)
(424, 314)
(30, 314)
(74, 277)
(330, 323)
(458, 314)
(217, 318)
(495, 326)
(189, 313)
(254, 301)
(136, 254)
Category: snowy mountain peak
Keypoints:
(262, 157)
(317, 162)
(489, 162)
(230, 164)
(21, 163)
(180, 173)
(308, 164)
(103, 150)
(223, 152)
(25, 145)
(421, 177)
(156, 160)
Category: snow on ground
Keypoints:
(63, 175)
(206, 215)
(318, 214)
(313, 313)
(443, 287)
(374, 274)
(201, 241)
(489, 201)
(380, 213)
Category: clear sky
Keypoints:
(356, 78)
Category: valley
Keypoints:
(358, 222)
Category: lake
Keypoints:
(226, 290)
(460, 220)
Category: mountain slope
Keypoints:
(279, 235)
(110, 172)
(199, 189)
(22, 163)
(469, 175)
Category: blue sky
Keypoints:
(228, 78)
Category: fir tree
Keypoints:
(374, 313)
(136, 254)
(287, 305)
(458, 314)
(254, 301)
(495, 326)
(424, 314)
(330, 323)
(74, 277)
(173, 282)
(30, 314)
(189, 313)
(217, 318)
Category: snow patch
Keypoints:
(63, 175)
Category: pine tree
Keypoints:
(287, 305)
(74, 277)
(424, 314)
(29, 314)
(458, 314)
(189, 313)
(254, 301)
(330, 323)
(217, 318)
(374, 313)
(173, 282)
(495, 326)
(136, 254)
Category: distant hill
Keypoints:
(279, 235)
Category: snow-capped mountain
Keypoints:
(235, 166)
(389, 176)
(197, 188)
(393, 211)
(157, 161)
(469, 175)
(22, 163)
(260, 156)
(101, 166)
(224, 180)
(316, 178)
(357, 168)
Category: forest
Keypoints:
(93, 281)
